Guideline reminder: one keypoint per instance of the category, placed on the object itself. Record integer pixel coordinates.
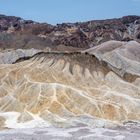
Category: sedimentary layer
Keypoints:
(58, 87)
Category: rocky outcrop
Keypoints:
(11, 24)
(81, 35)
(93, 33)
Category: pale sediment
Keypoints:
(59, 88)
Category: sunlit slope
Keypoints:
(55, 87)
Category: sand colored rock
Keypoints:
(57, 87)
(2, 120)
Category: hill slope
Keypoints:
(60, 88)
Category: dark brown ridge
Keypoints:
(85, 60)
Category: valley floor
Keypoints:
(130, 131)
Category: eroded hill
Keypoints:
(61, 88)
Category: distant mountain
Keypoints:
(79, 35)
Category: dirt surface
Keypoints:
(130, 131)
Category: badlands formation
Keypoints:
(101, 84)
(83, 75)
